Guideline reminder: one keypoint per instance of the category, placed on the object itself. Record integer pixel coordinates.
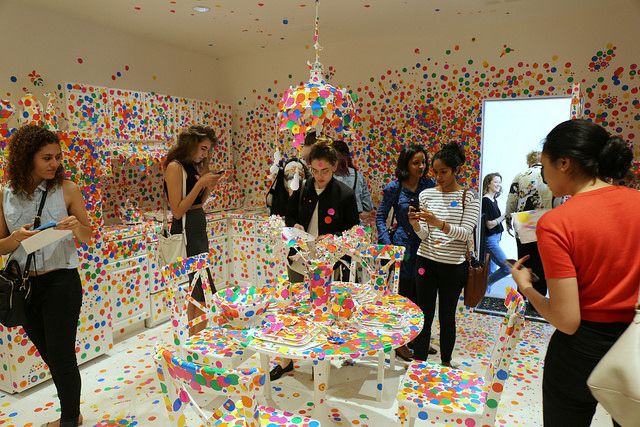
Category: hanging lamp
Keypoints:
(316, 104)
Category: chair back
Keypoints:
(373, 259)
(181, 277)
(180, 379)
(500, 363)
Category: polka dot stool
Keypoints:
(429, 391)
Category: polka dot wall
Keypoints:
(433, 101)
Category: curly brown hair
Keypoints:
(188, 141)
(21, 149)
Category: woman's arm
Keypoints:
(9, 242)
(365, 195)
(173, 178)
(561, 308)
(78, 220)
(464, 230)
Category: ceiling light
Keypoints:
(201, 8)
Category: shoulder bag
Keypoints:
(391, 227)
(15, 288)
(615, 381)
(172, 246)
(477, 274)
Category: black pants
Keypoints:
(534, 263)
(407, 288)
(444, 281)
(197, 243)
(52, 321)
(566, 398)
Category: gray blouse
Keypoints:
(19, 210)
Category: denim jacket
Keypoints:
(404, 236)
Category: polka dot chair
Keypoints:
(206, 347)
(429, 391)
(378, 260)
(180, 381)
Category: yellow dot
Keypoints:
(523, 217)
(153, 77)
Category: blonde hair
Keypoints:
(533, 157)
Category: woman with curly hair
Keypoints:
(190, 157)
(34, 171)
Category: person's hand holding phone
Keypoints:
(68, 223)
(210, 180)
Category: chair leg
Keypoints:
(392, 360)
(381, 367)
(265, 364)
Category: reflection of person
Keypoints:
(326, 206)
(352, 177)
(492, 219)
(591, 263)
(529, 192)
(445, 226)
(278, 195)
(33, 167)
(190, 156)
(411, 180)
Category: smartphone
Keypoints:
(47, 225)
(511, 262)
(415, 203)
(220, 172)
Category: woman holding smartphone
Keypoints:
(445, 222)
(34, 171)
(190, 156)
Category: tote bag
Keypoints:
(172, 246)
(615, 381)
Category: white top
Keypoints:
(449, 248)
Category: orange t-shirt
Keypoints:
(595, 237)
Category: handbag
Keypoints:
(15, 288)
(172, 246)
(615, 381)
(391, 227)
(477, 273)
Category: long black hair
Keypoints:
(596, 153)
(407, 153)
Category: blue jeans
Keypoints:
(497, 256)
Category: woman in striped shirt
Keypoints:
(444, 223)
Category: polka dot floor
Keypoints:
(121, 388)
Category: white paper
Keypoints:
(526, 223)
(42, 239)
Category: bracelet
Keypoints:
(443, 224)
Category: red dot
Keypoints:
(79, 60)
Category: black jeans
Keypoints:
(566, 398)
(52, 321)
(446, 282)
(534, 263)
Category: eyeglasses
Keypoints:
(323, 172)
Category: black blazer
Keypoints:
(337, 207)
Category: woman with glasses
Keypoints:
(326, 206)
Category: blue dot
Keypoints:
(14, 79)
(454, 204)
(284, 21)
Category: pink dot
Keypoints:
(330, 211)
(421, 271)
(79, 60)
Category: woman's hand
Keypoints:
(23, 232)
(427, 216)
(68, 223)
(413, 218)
(522, 276)
(210, 180)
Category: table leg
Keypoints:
(264, 362)
(381, 367)
(320, 385)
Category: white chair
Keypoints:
(181, 380)
(209, 346)
(433, 392)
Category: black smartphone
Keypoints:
(220, 172)
(415, 203)
(511, 262)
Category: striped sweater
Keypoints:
(449, 248)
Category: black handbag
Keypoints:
(15, 288)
